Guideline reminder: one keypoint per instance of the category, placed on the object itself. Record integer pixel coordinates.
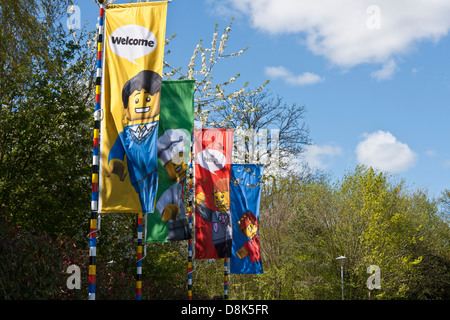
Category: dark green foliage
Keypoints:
(33, 265)
(45, 116)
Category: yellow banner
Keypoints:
(134, 40)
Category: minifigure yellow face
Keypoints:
(250, 230)
(221, 200)
(143, 106)
(176, 167)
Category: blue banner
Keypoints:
(245, 195)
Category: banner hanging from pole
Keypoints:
(168, 222)
(245, 200)
(133, 63)
(213, 233)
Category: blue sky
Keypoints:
(373, 75)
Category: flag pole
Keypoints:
(139, 258)
(95, 162)
(190, 210)
(225, 280)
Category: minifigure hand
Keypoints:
(170, 212)
(200, 198)
(242, 253)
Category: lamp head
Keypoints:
(342, 260)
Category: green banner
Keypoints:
(169, 221)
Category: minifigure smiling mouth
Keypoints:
(142, 110)
(142, 105)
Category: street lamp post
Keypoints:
(342, 260)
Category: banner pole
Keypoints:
(190, 210)
(139, 258)
(225, 280)
(95, 162)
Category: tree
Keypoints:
(367, 216)
(268, 130)
(45, 118)
(388, 232)
(444, 200)
(433, 281)
(209, 96)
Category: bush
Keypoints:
(33, 265)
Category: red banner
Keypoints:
(213, 231)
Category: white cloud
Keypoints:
(353, 32)
(386, 72)
(316, 156)
(430, 153)
(277, 72)
(381, 150)
(414, 71)
(305, 78)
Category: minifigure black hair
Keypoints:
(146, 79)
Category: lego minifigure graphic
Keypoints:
(248, 224)
(220, 219)
(141, 101)
(171, 149)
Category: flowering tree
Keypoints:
(210, 96)
(267, 130)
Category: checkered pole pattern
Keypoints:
(95, 162)
(225, 280)
(190, 209)
(139, 258)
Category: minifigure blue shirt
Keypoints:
(139, 143)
